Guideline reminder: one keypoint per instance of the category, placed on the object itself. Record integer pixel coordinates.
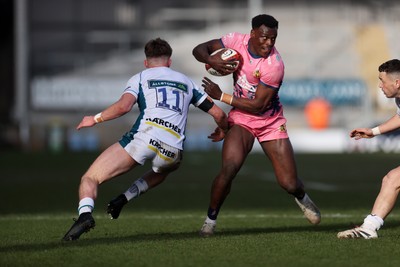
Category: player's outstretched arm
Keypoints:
(119, 108)
(391, 124)
(87, 121)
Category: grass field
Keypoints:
(259, 225)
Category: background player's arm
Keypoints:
(392, 124)
(119, 108)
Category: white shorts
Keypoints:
(142, 147)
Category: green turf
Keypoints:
(259, 225)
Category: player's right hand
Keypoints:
(361, 133)
(87, 121)
(217, 135)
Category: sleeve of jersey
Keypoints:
(229, 40)
(273, 77)
(198, 97)
(132, 86)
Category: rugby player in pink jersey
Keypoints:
(256, 113)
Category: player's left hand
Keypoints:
(87, 121)
(211, 88)
(360, 133)
(217, 135)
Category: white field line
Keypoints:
(44, 217)
(270, 177)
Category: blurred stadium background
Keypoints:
(64, 59)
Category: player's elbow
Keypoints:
(195, 52)
(258, 110)
(122, 109)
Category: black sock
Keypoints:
(299, 194)
(212, 213)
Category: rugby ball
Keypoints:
(227, 54)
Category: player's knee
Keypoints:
(90, 181)
(392, 179)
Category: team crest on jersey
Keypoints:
(282, 128)
(257, 74)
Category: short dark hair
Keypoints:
(264, 19)
(157, 48)
(390, 66)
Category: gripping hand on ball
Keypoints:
(223, 67)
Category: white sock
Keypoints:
(139, 187)
(208, 220)
(86, 205)
(304, 199)
(372, 222)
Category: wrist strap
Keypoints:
(98, 118)
(226, 98)
(376, 131)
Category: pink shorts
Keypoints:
(264, 128)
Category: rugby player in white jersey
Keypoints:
(389, 83)
(163, 96)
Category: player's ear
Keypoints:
(146, 63)
(169, 62)
(252, 33)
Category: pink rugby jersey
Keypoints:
(269, 71)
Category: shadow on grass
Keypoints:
(331, 229)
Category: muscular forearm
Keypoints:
(114, 111)
(220, 117)
(249, 105)
(222, 123)
(392, 124)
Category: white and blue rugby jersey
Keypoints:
(163, 96)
